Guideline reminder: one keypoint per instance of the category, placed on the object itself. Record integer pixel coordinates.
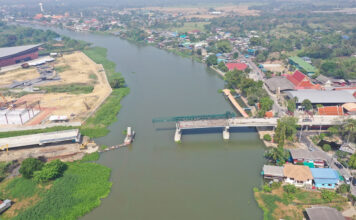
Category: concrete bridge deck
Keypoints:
(226, 124)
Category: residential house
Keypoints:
(350, 108)
(274, 173)
(348, 148)
(298, 175)
(323, 213)
(309, 158)
(325, 178)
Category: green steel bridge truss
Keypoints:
(226, 115)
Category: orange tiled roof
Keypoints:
(331, 110)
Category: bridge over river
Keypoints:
(226, 121)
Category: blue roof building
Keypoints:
(326, 178)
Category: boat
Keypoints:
(130, 135)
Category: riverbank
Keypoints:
(71, 196)
(96, 125)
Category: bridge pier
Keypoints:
(178, 134)
(226, 133)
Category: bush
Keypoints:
(276, 185)
(344, 188)
(267, 137)
(290, 189)
(267, 188)
(326, 147)
(50, 171)
(327, 195)
(29, 166)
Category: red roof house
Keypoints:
(301, 81)
(331, 110)
(237, 66)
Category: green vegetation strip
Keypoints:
(71, 196)
(96, 126)
(35, 131)
(74, 88)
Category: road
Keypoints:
(256, 74)
(331, 160)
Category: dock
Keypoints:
(233, 101)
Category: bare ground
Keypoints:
(81, 69)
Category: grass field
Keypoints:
(190, 26)
(81, 189)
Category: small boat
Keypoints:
(130, 135)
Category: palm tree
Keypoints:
(350, 127)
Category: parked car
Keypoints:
(338, 165)
(354, 181)
(307, 120)
(348, 180)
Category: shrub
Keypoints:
(344, 188)
(327, 195)
(267, 137)
(276, 185)
(290, 189)
(50, 171)
(29, 166)
(267, 188)
(326, 147)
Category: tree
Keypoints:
(333, 130)
(117, 83)
(352, 161)
(267, 137)
(290, 189)
(350, 127)
(255, 41)
(307, 104)
(266, 104)
(344, 188)
(50, 171)
(278, 155)
(224, 46)
(212, 60)
(326, 147)
(291, 105)
(286, 129)
(222, 67)
(236, 55)
(29, 166)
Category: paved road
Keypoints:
(331, 160)
(256, 74)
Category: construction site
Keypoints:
(66, 89)
(45, 92)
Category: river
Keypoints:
(155, 178)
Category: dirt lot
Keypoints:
(64, 151)
(73, 69)
(201, 12)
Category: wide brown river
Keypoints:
(157, 179)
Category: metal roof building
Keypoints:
(279, 82)
(18, 54)
(323, 96)
(324, 213)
